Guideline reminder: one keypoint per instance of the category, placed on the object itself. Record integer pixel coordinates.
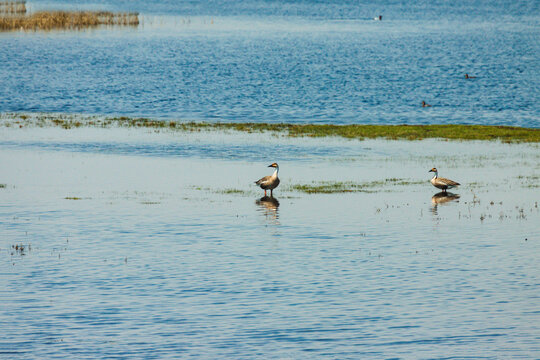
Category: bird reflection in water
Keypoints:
(269, 206)
(442, 198)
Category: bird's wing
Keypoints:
(263, 180)
(448, 182)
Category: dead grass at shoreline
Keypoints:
(507, 134)
(66, 20)
(12, 7)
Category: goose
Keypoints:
(424, 104)
(442, 183)
(269, 182)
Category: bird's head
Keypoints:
(433, 170)
(274, 165)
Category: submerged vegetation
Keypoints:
(227, 191)
(21, 249)
(324, 187)
(234, 191)
(529, 181)
(392, 132)
(13, 17)
(332, 187)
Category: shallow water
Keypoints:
(286, 62)
(135, 247)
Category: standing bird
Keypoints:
(269, 182)
(442, 183)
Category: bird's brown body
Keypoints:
(442, 183)
(269, 182)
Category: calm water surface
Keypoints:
(280, 61)
(166, 250)
(137, 244)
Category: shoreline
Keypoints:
(505, 134)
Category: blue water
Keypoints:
(146, 245)
(273, 61)
(154, 260)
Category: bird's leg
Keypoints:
(272, 193)
(264, 192)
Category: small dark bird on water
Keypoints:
(269, 182)
(469, 77)
(424, 104)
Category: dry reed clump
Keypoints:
(12, 7)
(72, 20)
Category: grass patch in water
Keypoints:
(228, 191)
(232, 191)
(66, 20)
(327, 187)
(3, 186)
(529, 181)
(333, 187)
(506, 134)
(529, 177)
(395, 132)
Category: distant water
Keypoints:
(281, 61)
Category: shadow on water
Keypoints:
(442, 198)
(269, 207)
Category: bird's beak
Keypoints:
(270, 165)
